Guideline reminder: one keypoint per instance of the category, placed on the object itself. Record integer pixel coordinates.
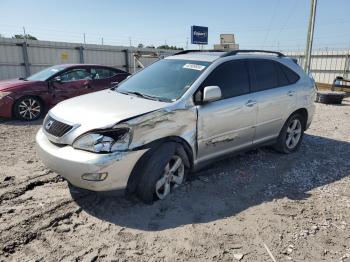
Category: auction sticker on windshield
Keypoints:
(194, 67)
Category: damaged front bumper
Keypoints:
(76, 165)
(6, 104)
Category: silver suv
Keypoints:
(147, 134)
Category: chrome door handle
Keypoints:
(250, 103)
(290, 93)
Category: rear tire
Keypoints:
(164, 170)
(291, 135)
(28, 108)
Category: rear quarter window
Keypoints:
(290, 74)
(281, 76)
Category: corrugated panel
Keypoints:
(52, 56)
(113, 58)
(11, 54)
(42, 54)
(9, 72)
(325, 65)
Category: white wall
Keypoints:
(325, 65)
(42, 54)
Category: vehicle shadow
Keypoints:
(15, 122)
(230, 186)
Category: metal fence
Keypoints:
(325, 64)
(19, 58)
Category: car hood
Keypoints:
(102, 109)
(11, 84)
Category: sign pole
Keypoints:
(310, 36)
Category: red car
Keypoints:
(28, 98)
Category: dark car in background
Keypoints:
(28, 98)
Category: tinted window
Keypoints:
(281, 76)
(102, 73)
(76, 74)
(231, 77)
(265, 75)
(290, 74)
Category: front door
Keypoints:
(72, 83)
(227, 125)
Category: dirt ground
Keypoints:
(296, 206)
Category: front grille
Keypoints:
(55, 127)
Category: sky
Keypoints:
(267, 24)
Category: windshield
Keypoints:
(166, 80)
(46, 73)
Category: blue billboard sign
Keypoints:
(199, 35)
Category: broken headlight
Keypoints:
(3, 94)
(105, 141)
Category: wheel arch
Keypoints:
(153, 146)
(23, 96)
(304, 113)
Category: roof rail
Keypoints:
(235, 52)
(196, 51)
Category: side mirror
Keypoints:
(57, 79)
(211, 93)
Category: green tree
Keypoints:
(140, 46)
(27, 36)
(169, 47)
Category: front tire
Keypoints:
(164, 170)
(291, 135)
(28, 108)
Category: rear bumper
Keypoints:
(6, 104)
(73, 163)
(311, 112)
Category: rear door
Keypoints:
(228, 124)
(275, 97)
(103, 77)
(73, 82)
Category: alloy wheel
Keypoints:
(173, 175)
(29, 108)
(293, 133)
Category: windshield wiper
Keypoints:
(145, 96)
(114, 86)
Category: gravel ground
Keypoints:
(296, 206)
